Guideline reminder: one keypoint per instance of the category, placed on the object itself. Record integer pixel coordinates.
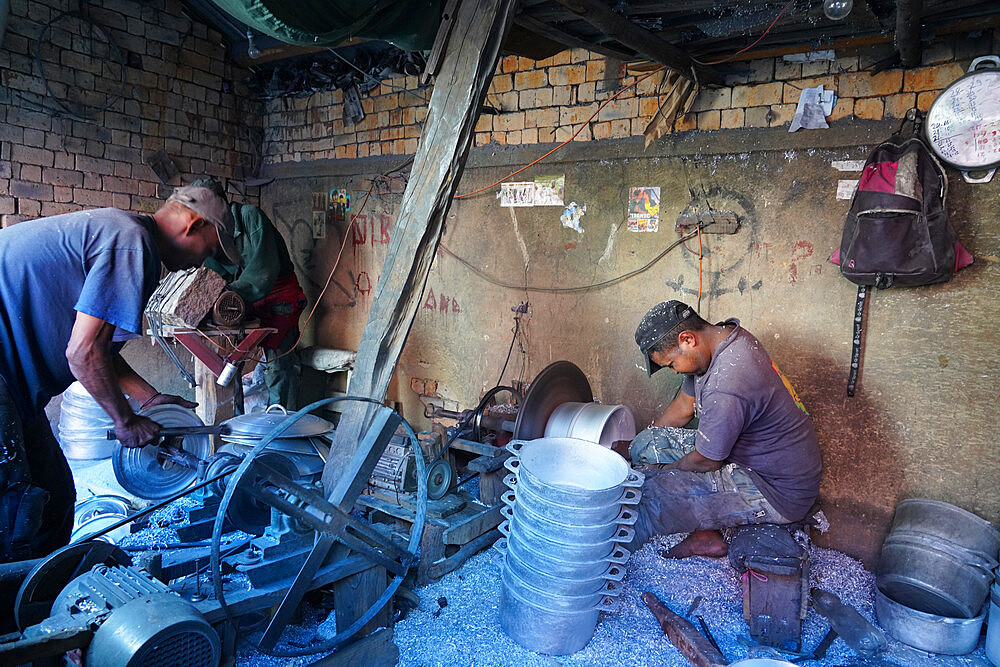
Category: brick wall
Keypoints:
(180, 95)
(547, 101)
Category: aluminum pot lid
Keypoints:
(259, 424)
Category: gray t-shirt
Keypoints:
(750, 415)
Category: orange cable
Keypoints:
(728, 58)
(700, 256)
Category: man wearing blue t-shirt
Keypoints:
(73, 288)
(752, 459)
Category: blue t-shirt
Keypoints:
(101, 262)
(750, 415)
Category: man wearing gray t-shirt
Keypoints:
(752, 459)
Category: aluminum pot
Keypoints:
(582, 552)
(933, 581)
(544, 630)
(83, 426)
(565, 533)
(563, 568)
(928, 632)
(993, 626)
(571, 472)
(533, 574)
(259, 424)
(555, 601)
(949, 523)
(570, 513)
(593, 422)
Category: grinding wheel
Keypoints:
(140, 472)
(47, 580)
(559, 382)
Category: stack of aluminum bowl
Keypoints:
(934, 576)
(566, 521)
(305, 442)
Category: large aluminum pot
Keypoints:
(259, 424)
(593, 422)
(544, 630)
(555, 601)
(583, 552)
(569, 513)
(83, 426)
(571, 472)
(949, 524)
(535, 575)
(923, 577)
(928, 632)
(566, 533)
(564, 568)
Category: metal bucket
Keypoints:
(545, 630)
(583, 552)
(569, 513)
(946, 522)
(593, 422)
(563, 568)
(934, 581)
(563, 533)
(556, 601)
(83, 426)
(571, 472)
(928, 632)
(577, 584)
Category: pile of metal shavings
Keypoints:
(467, 631)
(318, 625)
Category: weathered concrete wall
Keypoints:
(924, 420)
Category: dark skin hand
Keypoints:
(106, 376)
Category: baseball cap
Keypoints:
(656, 324)
(215, 209)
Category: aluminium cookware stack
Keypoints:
(567, 517)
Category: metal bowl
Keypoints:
(928, 632)
(566, 533)
(535, 575)
(564, 568)
(583, 552)
(555, 601)
(544, 630)
(566, 513)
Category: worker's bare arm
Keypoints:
(91, 362)
(694, 462)
(678, 413)
(132, 384)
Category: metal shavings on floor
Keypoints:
(467, 631)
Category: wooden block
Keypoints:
(491, 486)
(184, 298)
(477, 524)
(353, 595)
(772, 603)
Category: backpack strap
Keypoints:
(859, 318)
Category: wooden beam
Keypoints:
(641, 40)
(464, 77)
(907, 40)
(569, 39)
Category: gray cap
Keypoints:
(657, 323)
(213, 208)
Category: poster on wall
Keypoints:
(338, 205)
(644, 209)
(517, 193)
(319, 224)
(549, 190)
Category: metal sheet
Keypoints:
(559, 382)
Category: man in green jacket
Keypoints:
(266, 281)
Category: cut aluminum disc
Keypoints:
(559, 382)
(141, 474)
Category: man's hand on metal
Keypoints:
(168, 399)
(137, 431)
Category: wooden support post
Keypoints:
(375, 650)
(353, 595)
(908, 16)
(462, 82)
(600, 15)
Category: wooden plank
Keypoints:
(644, 42)
(440, 41)
(466, 71)
(477, 524)
(474, 447)
(375, 650)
